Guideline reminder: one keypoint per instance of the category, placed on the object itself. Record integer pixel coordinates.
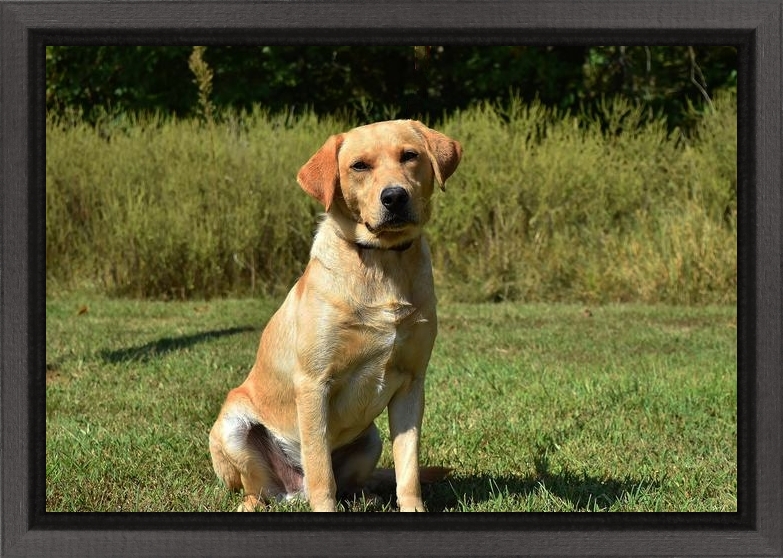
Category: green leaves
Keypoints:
(375, 83)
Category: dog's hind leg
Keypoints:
(239, 457)
(354, 463)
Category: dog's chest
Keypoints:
(386, 335)
(397, 319)
(386, 344)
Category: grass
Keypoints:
(536, 407)
(543, 208)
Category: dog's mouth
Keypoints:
(394, 223)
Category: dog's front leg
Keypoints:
(312, 404)
(406, 409)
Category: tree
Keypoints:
(380, 82)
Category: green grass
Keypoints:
(543, 207)
(536, 407)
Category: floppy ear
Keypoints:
(444, 152)
(320, 176)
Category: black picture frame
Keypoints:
(755, 27)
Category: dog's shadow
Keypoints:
(563, 490)
(154, 349)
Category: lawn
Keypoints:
(535, 407)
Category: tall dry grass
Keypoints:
(549, 208)
(543, 206)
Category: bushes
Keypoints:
(543, 207)
(563, 210)
(179, 208)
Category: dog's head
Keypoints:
(378, 179)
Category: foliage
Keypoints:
(536, 408)
(179, 208)
(379, 82)
(611, 209)
(203, 80)
(668, 80)
(544, 206)
(91, 81)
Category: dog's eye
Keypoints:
(409, 156)
(360, 166)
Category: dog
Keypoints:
(354, 335)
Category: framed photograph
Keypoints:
(753, 27)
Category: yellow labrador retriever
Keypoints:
(353, 336)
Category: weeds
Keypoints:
(544, 207)
(203, 79)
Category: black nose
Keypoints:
(394, 198)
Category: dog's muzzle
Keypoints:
(395, 199)
(396, 213)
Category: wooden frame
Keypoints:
(755, 27)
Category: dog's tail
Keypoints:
(385, 478)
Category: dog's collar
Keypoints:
(398, 248)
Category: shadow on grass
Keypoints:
(148, 351)
(565, 492)
(579, 492)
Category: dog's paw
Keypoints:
(412, 505)
(413, 509)
(249, 504)
(324, 507)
